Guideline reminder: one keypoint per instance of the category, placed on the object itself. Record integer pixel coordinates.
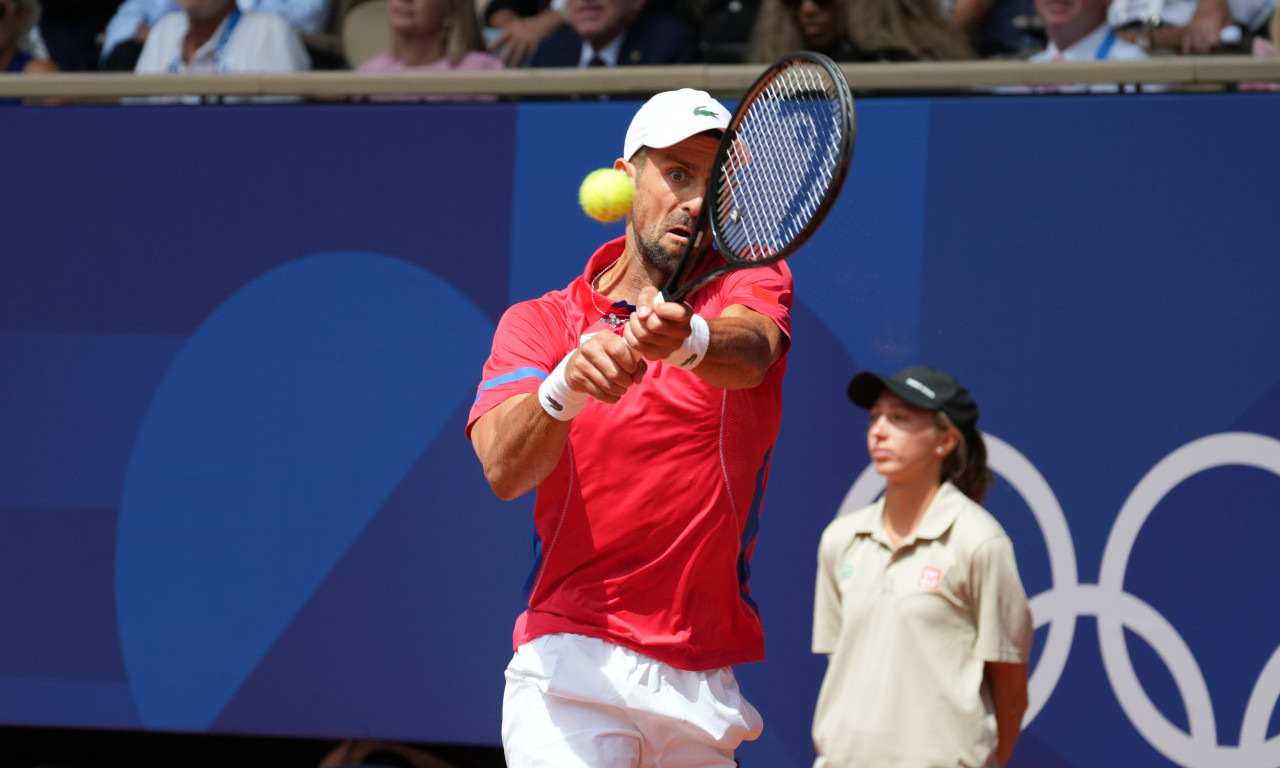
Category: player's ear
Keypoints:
(625, 167)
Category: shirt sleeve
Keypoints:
(128, 16)
(1000, 604)
(270, 45)
(304, 15)
(527, 345)
(162, 46)
(768, 290)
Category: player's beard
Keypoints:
(656, 254)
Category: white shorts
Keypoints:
(579, 702)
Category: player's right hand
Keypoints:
(604, 367)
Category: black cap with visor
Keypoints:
(920, 386)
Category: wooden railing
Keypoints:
(1221, 72)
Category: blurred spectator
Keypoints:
(1189, 26)
(515, 28)
(857, 30)
(216, 36)
(432, 36)
(1265, 48)
(724, 29)
(17, 18)
(1078, 31)
(71, 30)
(128, 30)
(996, 28)
(612, 33)
(519, 27)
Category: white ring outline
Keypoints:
(1200, 748)
(1115, 609)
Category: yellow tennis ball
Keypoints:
(606, 194)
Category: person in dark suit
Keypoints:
(615, 33)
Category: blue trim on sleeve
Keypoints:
(507, 378)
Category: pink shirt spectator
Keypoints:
(471, 61)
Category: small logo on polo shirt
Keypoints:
(930, 578)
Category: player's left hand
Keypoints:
(657, 329)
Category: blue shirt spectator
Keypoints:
(135, 18)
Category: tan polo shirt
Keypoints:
(909, 632)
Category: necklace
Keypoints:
(611, 319)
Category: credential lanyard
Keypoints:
(227, 29)
(1107, 42)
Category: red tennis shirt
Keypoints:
(646, 526)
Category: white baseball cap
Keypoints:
(671, 117)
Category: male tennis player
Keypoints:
(646, 428)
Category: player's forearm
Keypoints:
(741, 351)
(518, 445)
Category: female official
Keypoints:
(918, 601)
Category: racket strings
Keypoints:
(784, 156)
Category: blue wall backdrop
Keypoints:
(238, 345)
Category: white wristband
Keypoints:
(556, 397)
(694, 348)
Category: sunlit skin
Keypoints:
(908, 449)
(670, 184)
(903, 441)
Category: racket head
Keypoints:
(782, 161)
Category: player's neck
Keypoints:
(904, 507)
(624, 279)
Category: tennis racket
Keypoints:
(777, 172)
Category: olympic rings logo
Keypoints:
(1115, 609)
